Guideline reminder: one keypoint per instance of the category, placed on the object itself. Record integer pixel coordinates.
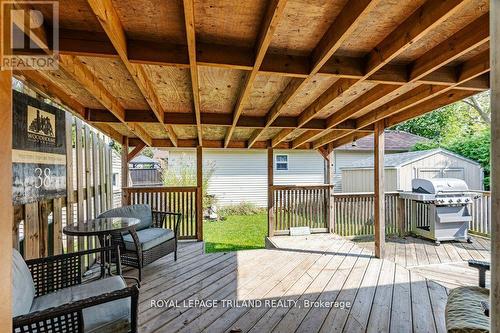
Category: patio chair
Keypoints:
(156, 240)
(49, 296)
(467, 308)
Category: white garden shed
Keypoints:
(401, 168)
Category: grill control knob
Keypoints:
(459, 200)
(467, 200)
(450, 201)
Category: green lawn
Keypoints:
(237, 232)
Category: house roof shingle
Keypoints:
(394, 140)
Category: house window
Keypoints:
(115, 179)
(282, 162)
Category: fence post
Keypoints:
(199, 193)
(270, 192)
(400, 216)
(124, 169)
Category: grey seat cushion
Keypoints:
(141, 212)
(148, 238)
(108, 317)
(23, 288)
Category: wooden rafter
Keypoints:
(44, 86)
(193, 67)
(76, 69)
(410, 31)
(49, 89)
(454, 43)
(469, 70)
(134, 152)
(419, 109)
(108, 17)
(273, 15)
(424, 19)
(357, 106)
(346, 22)
(462, 42)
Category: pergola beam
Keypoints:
(76, 69)
(346, 22)
(82, 43)
(193, 143)
(273, 15)
(193, 67)
(96, 116)
(108, 17)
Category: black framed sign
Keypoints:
(38, 150)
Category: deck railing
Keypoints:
(481, 213)
(170, 199)
(300, 206)
(353, 214)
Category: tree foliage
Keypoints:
(462, 128)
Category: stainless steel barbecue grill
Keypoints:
(440, 208)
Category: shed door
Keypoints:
(428, 173)
(441, 173)
(454, 173)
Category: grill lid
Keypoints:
(438, 185)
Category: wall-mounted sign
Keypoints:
(38, 150)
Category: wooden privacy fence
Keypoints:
(37, 226)
(169, 199)
(300, 206)
(353, 214)
(145, 177)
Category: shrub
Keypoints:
(184, 174)
(242, 208)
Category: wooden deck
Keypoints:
(446, 264)
(371, 294)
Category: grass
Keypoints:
(237, 232)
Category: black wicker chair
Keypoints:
(53, 298)
(156, 240)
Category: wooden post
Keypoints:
(329, 204)
(400, 216)
(270, 192)
(70, 198)
(125, 199)
(379, 204)
(495, 167)
(199, 193)
(6, 209)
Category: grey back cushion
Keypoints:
(23, 287)
(141, 212)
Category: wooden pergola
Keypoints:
(278, 74)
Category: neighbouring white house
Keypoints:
(241, 175)
(401, 168)
(349, 154)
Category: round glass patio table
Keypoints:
(103, 228)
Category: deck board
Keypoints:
(405, 292)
